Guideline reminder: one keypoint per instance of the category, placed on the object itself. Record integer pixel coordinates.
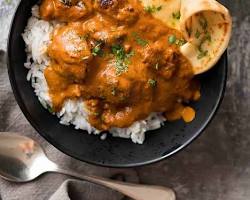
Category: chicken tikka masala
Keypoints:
(120, 60)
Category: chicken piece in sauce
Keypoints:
(119, 61)
(65, 10)
(101, 28)
(69, 45)
(123, 11)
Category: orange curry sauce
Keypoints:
(120, 60)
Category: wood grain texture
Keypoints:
(214, 167)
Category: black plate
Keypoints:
(113, 152)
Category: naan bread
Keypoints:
(211, 21)
(205, 24)
(165, 14)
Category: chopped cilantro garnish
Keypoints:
(97, 51)
(152, 9)
(139, 40)
(121, 59)
(180, 42)
(207, 37)
(172, 39)
(50, 109)
(202, 54)
(203, 23)
(84, 37)
(176, 15)
(152, 82)
(197, 34)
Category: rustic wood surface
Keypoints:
(214, 167)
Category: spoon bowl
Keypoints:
(22, 160)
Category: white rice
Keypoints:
(36, 37)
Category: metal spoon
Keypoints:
(22, 160)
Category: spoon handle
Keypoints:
(135, 191)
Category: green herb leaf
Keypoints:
(202, 54)
(208, 37)
(131, 53)
(205, 38)
(197, 34)
(97, 51)
(139, 40)
(176, 15)
(118, 51)
(152, 82)
(171, 39)
(50, 109)
(203, 23)
(84, 37)
(121, 59)
(152, 9)
(180, 42)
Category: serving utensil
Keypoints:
(22, 160)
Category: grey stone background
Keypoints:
(215, 167)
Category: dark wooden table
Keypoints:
(214, 167)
